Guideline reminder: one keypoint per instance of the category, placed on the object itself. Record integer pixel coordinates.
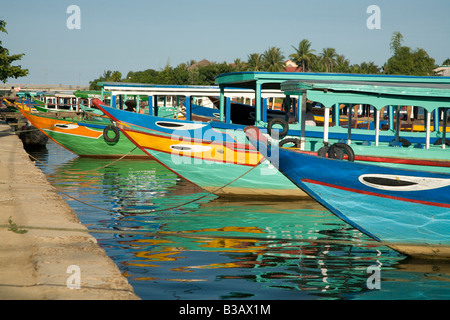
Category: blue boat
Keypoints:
(406, 210)
(201, 152)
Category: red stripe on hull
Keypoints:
(416, 162)
(428, 203)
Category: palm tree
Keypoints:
(239, 65)
(303, 54)
(329, 56)
(369, 68)
(273, 60)
(342, 64)
(254, 62)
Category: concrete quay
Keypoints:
(45, 251)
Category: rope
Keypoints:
(166, 209)
(106, 166)
(21, 131)
(154, 211)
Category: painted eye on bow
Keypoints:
(388, 182)
(179, 125)
(66, 126)
(189, 148)
(402, 183)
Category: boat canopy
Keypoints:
(429, 96)
(121, 88)
(152, 91)
(259, 81)
(90, 94)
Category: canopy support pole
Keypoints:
(427, 128)
(326, 124)
(377, 127)
(302, 115)
(349, 128)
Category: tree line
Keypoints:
(404, 61)
(7, 70)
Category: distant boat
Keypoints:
(84, 137)
(406, 210)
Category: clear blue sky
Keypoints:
(135, 35)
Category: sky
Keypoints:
(135, 35)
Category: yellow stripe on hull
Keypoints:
(62, 126)
(193, 149)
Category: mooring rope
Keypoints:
(21, 131)
(142, 212)
(166, 209)
(105, 166)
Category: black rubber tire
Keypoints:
(438, 142)
(346, 150)
(295, 141)
(335, 153)
(281, 122)
(323, 152)
(116, 133)
(405, 143)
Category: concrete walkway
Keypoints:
(42, 264)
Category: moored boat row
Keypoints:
(390, 183)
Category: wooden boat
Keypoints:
(405, 209)
(86, 132)
(189, 147)
(338, 122)
(414, 149)
(83, 136)
(201, 152)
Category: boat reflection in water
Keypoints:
(217, 249)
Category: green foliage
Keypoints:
(328, 57)
(396, 41)
(14, 228)
(404, 61)
(410, 62)
(303, 55)
(273, 60)
(254, 62)
(7, 70)
(108, 76)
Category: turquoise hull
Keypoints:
(239, 181)
(408, 210)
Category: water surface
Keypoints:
(174, 241)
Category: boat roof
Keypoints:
(427, 95)
(273, 80)
(89, 94)
(117, 88)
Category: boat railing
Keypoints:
(432, 103)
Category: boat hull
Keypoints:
(407, 210)
(85, 139)
(219, 161)
(195, 144)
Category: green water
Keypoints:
(212, 249)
